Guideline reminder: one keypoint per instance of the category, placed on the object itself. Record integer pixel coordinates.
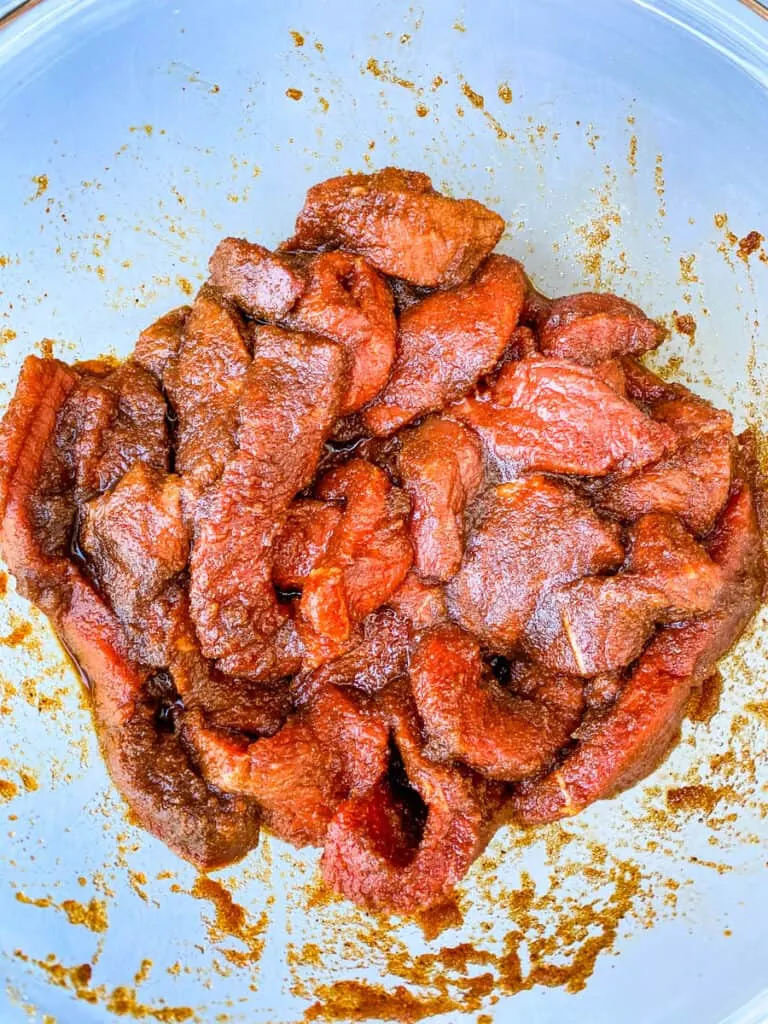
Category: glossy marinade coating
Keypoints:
(376, 545)
(400, 224)
(446, 342)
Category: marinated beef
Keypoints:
(529, 536)
(441, 467)
(551, 416)
(591, 327)
(159, 342)
(692, 482)
(364, 563)
(622, 743)
(263, 284)
(470, 717)
(376, 545)
(400, 224)
(203, 382)
(598, 624)
(401, 844)
(288, 400)
(347, 301)
(446, 342)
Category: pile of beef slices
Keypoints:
(376, 546)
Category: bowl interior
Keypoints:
(625, 145)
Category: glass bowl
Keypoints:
(626, 145)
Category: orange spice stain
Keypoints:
(748, 245)
(40, 182)
(91, 915)
(120, 1001)
(297, 37)
(21, 632)
(421, 110)
(138, 880)
(688, 273)
(143, 972)
(759, 708)
(499, 129)
(47, 704)
(3, 584)
(696, 799)
(705, 702)
(294, 94)
(714, 865)
(28, 780)
(360, 1001)
(554, 940)
(320, 895)
(8, 790)
(385, 73)
(7, 693)
(45, 347)
(684, 323)
(632, 154)
(231, 920)
(185, 284)
(596, 235)
(505, 92)
(435, 920)
(474, 98)
(660, 184)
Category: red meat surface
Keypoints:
(331, 749)
(529, 536)
(693, 481)
(551, 416)
(592, 327)
(203, 382)
(620, 745)
(400, 224)
(365, 562)
(446, 342)
(262, 284)
(599, 624)
(159, 342)
(441, 467)
(470, 717)
(347, 301)
(288, 401)
(404, 843)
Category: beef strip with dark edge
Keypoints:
(148, 761)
